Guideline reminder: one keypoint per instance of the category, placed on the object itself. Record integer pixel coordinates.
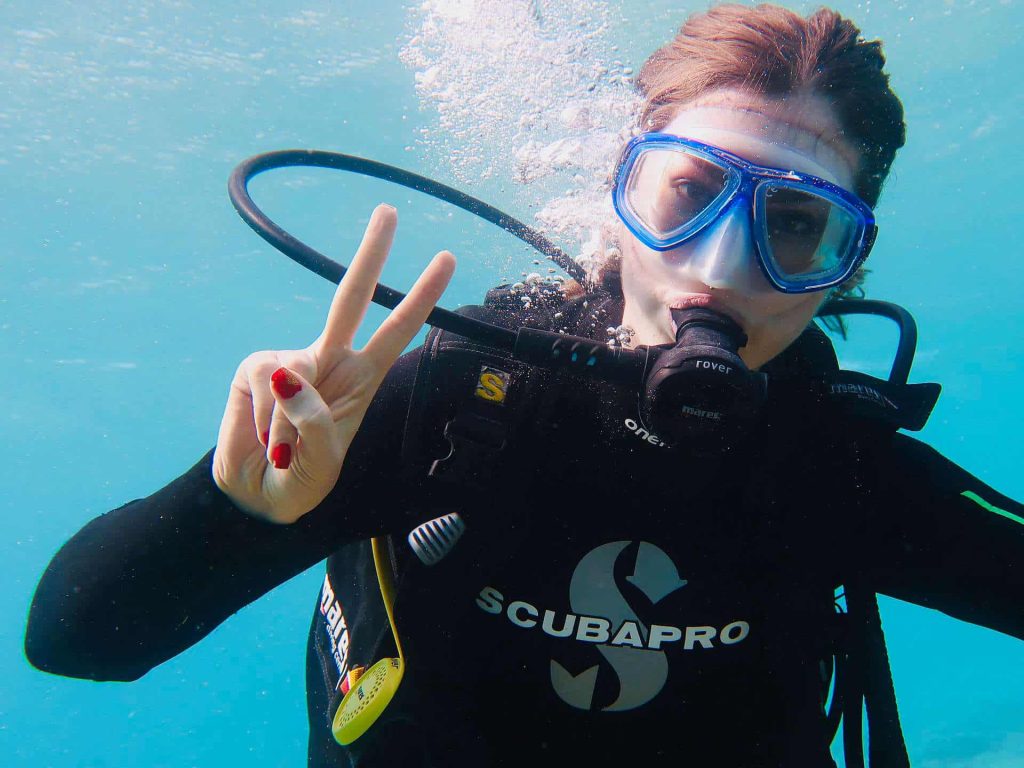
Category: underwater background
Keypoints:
(130, 290)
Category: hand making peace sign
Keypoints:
(291, 415)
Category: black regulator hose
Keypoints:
(904, 359)
(317, 262)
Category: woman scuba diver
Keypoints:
(668, 594)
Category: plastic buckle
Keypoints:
(475, 443)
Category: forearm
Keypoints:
(140, 584)
(953, 543)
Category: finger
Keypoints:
(405, 321)
(238, 411)
(250, 403)
(258, 371)
(281, 433)
(301, 418)
(356, 288)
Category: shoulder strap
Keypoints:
(469, 398)
(461, 413)
(859, 414)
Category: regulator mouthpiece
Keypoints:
(699, 394)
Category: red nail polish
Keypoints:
(266, 437)
(285, 383)
(281, 455)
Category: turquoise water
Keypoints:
(130, 291)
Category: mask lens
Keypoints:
(668, 190)
(809, 237)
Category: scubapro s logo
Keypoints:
(642, 672)
(492, 385)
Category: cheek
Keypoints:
(771, 308)
(645, 270)
(638, 269)
(796, 311)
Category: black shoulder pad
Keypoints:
(457, 375)
(901, 406)
(850, 393)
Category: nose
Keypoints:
(722, 256)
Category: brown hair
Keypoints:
(772, 51)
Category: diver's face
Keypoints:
(718, 267)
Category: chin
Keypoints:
(753, 359)
(757, 353)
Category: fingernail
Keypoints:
(388, 206)
(266, 437)
(285, 383)
(281, 455)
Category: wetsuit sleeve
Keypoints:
(941, 538)
(140, 584)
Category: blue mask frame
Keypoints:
(746, 184)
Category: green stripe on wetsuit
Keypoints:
(982, 503)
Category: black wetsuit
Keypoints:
(613, 601)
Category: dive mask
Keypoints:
(809, 234)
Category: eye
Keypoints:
(796, 223)
(695, 192)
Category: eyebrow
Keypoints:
(829, 141)
(688, 167)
